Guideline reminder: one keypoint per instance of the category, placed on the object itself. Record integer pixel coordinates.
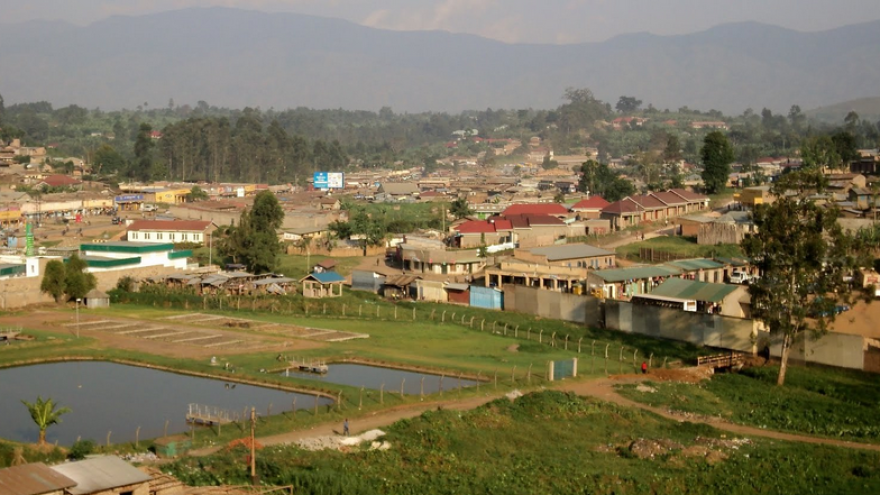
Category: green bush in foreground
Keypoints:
(551, 442)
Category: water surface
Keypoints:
(119, 398)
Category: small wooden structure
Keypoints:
(210, 415)
(313, 366)
(319, 285)
(96, 299)
(724, 360)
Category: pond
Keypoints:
(372, 377)
(109, 397)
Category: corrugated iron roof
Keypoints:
(696, 264)
(32, 479)
(570, 251)
(100, 473)
(636, 273)
(690, 289)
(326, 277)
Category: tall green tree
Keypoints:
(804, 257)
(107, 159)
(255, 241)
(460, 208)
(143, 153)
(628, 104)
(78, 283)
(598, 178)
(717, 155)
(44, 414)
(54, 280)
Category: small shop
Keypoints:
(129, 202)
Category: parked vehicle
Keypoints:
(740, 277)
(150, 208)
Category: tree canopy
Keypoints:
(598, 178)
(804, 257)
(44, 414)
(254, 241)
(53, 282)
(717, 155)
(78, 283)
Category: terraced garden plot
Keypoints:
(176, 334)
(280, 329)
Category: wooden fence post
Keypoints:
(541, 336)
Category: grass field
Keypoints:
(551, 442)
(814, 401)
(682, 246)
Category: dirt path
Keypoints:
(372, 421)
(602, 389)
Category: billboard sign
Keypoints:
(129, 198)
(329, 180)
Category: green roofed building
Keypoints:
(122, 255)
(724, 299)
(623, 283)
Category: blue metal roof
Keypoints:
(327, 277)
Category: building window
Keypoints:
(197, 237)
(146, 237)
(159, 237)
(184, 237)
(171, 236)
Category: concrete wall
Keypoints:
(21, 291)
(551, 304)
(832, 349)
(697, 328)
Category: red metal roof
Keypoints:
(536, 209)
(32, 479)
(170, 225)
(592, 203)
(670, 198)
(625, 205)
(648, 201)
(690, 196)
(476, 227)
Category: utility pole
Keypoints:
(253, 446)
(77, 316)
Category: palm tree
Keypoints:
(44, 414)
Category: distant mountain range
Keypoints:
(867, 108)
(238, 58)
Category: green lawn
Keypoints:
(824, 402)
(299, 265)
(551, 442)
(682, 246)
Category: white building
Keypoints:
(170, 231)
(121, 255)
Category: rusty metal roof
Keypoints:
(32, 479)
(101, 473)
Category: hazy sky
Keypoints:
(532, 21)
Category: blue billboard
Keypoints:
(329, 180)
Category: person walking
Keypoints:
(644, 367)
(345, 427)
